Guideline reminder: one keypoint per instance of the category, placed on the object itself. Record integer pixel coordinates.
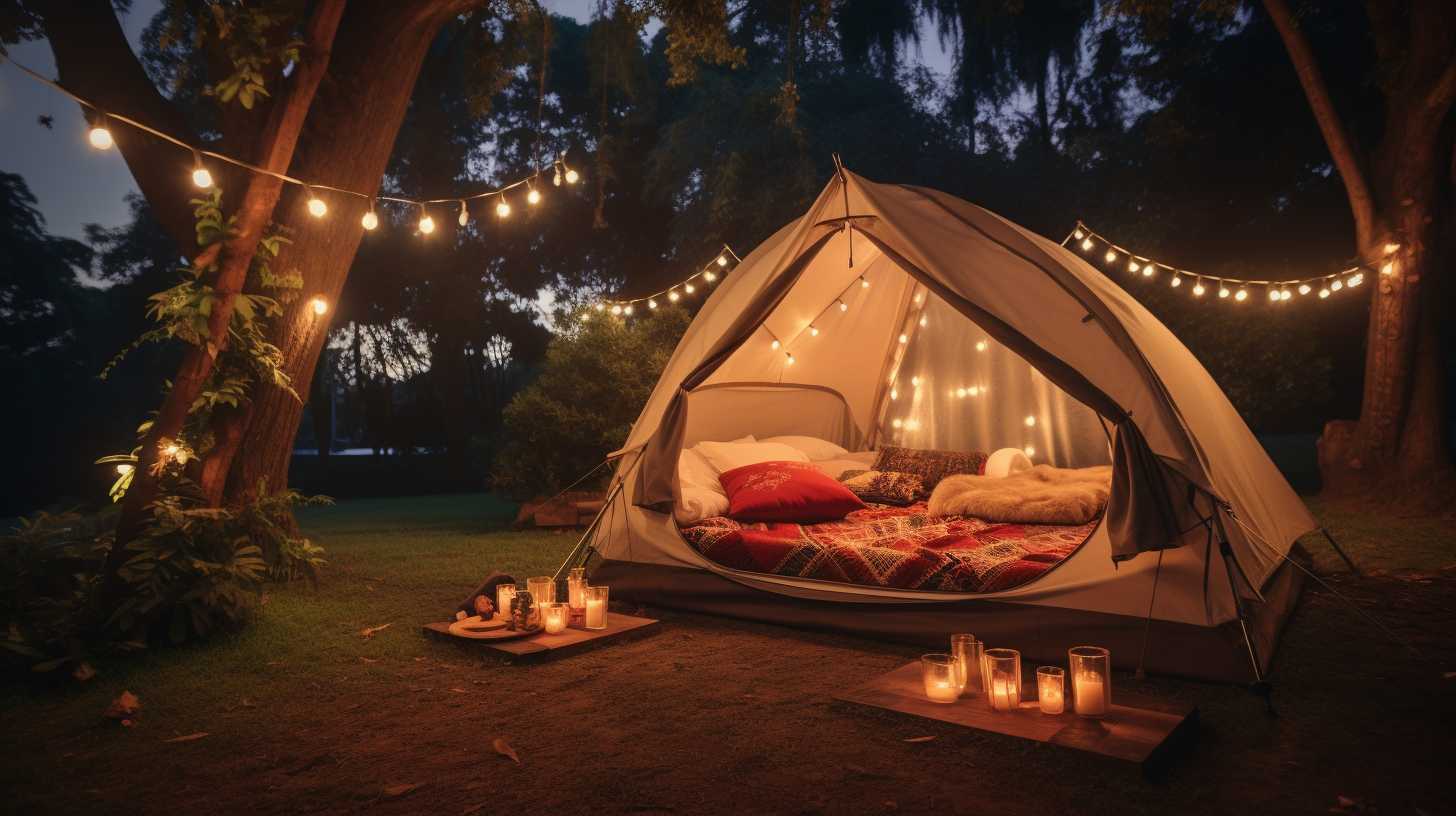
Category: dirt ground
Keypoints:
(716, 716)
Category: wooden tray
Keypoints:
(495, 630)
(539, 646)
(1138, 735)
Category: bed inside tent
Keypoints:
(896, 327)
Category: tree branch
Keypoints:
(1337, 139)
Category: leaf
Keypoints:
(918, 739)
(124, 706)
(400, 789)
(372, 630)
(83, 672)
(504, 749)
(187, 737)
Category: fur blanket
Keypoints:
(1042, 495)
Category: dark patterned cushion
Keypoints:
(930, 465)
(882, 487)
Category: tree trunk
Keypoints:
(351, 131)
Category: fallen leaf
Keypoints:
(123, 707)
(918, 739)
(372, 630)
(504, 749)
(369, 659)
(400, 789)
(83, 671)
(459, 691)
(187, 738)
(476, 808)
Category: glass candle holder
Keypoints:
(554, 616)
(1003, 670)
(596, 607)
(576, 587)
(966, 651)
(542, 588)
(503, 595)
(1050, 693)
(938, 670)
(1091, 680)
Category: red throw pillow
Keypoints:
(788, 492)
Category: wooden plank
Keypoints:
(1136, 734)
(542, 646)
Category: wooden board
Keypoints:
(1140, 735)
(542, 646)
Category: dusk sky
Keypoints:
(77, 185)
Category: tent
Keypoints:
(866, 322)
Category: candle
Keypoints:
(576, 588)
(503, 595)
(1004, 694)
(1089, 694)
(937, 672)
(1049, 690)
(596, 607)
(941, 691)
(1003, 667)
(542, 589)
(553, 618)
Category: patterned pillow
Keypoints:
(930, 465)
(883, 487)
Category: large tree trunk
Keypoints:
(350, 135)
(1398, 446)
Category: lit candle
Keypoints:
(553, 618)
(941, 690)
(576, 588)
(503, 595)
(596, 607)
(1004, 694)
(1090, 695)
(1049, 692)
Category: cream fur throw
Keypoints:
(1041, 495)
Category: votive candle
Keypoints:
(553, 617)
(1050, 681)
(1004, 686)
(1091, 670)
(542, 589)
(938, 672)
(576, 587)
(596, 607)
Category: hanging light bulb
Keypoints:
(572, 176)
(1111, 255)
(924, 322)
(1336, 285)
(1304, 288)
(1391, 248)
(627, 310)
(775, 344)
(1086, 244)
(1029, 450)
(843, 307)
(1273, 294)
(709, 276)
(319, 305)
(894, 394)
(973, 391)
(1285, 294)
(427, 224)
(689, 288)
(370, 220)
(1148, 271)
(533, 196)
(960, 393)
(1223, 291)
(200, 176)
(895, 423)
(1078, 233)
(722, 260)
(813, 330)
(1132, 266)
(464, 217)
(863, 284)
(651, 304)
(617, 309)
(673, 296)
(556, 179)
(904, 339)
(981, 345)
(1198, 289)
(1030, 421)
(915, 382)
(1241, 296)
(1355, 279)
(788, 359)
(99, 136)
(1177, 281)
(316, 206)
(601, 306)
(503, 207)
(1324, 293)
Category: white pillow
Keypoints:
(813, 447)
(725, 456)
(834, 468)
(1005, 462)
(700, 494)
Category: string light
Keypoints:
(533, 196)
(1223, 291)
(1030, 421)
(627, 310)
(503, 207)
(124, 468)
(1304, 289)
(651, 304)
(688, 287)
(788, 359)
(924, 322)
(863, 284)
(319, 305)
(316, 206)
(464, 217)
(1336, 285)
(709, 276)
(1388, 268)
(571, 176)
(1086, 244)
(1177, 281)
(200, 176)
(981, 345)
(813, 330)
(673, 296)
(1029, 450)
(722, 260)
(1391, 248)
(1241, 296)
(1110, 256)
(1198, 289)
(1273, 294)
(1078, 233)
(370, 219)
(427, 224)
(1324, 293)
(904, 339)
(99, 136)
(843, 307)
(1132, 266)
(675, 292)
(775, 344)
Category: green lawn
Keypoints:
(303, 714)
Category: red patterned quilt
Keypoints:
(898, 547)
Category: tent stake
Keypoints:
(1340, 551)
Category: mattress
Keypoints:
(896, 547)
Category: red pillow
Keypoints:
(786, 491)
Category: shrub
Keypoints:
(596, 377)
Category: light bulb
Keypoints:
(533, 197)
(894, 394)
(924, 322)
(843, 307)
(1176, 282)
(1198, 290)
(616, 308)
(464, 217)
(319, 305)
(914, 382)
(627, 310)
(370, 220)
(556, 179)
(981, 345)
(1324, 293)
(813, 331)
(601, 307)
(688, 287)
(722, 260)
(775, 344)
(1336, 285)
(1304, 288)
(709, 276)
(202, 178)
(1391, 248)
(673, 296)
(1086, 244)
(1241, 296)
(1388, 268)
(1355, 280)
(1111, 255)
(1285, 294)
(427, 224)
(863, 284)
(100, 138)
(973, 391)
(572, 176)
(1223, 292)
(904, 339)
(1030, 421)
(788, 359)
(961, 393)
(1029, 450)
(651, 304)
(171, 450)
(1078, 234)
(124, 468)
(1132, 266)
(895, 423)
(503, 208)
(317, 208)
(1148, 271)
(1273, 294)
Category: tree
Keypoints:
(1399, 190)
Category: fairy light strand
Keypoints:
(709, 274)
(1115, 256)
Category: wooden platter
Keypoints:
(539, 646)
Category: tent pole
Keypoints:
(1340, 551)
(1260, 686)
(586, 536)
(1142, 673)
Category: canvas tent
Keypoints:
(867, 321)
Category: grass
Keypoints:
(303, 714)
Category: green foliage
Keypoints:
(49, 569)
(595, 380)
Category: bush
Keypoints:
(596, 378)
